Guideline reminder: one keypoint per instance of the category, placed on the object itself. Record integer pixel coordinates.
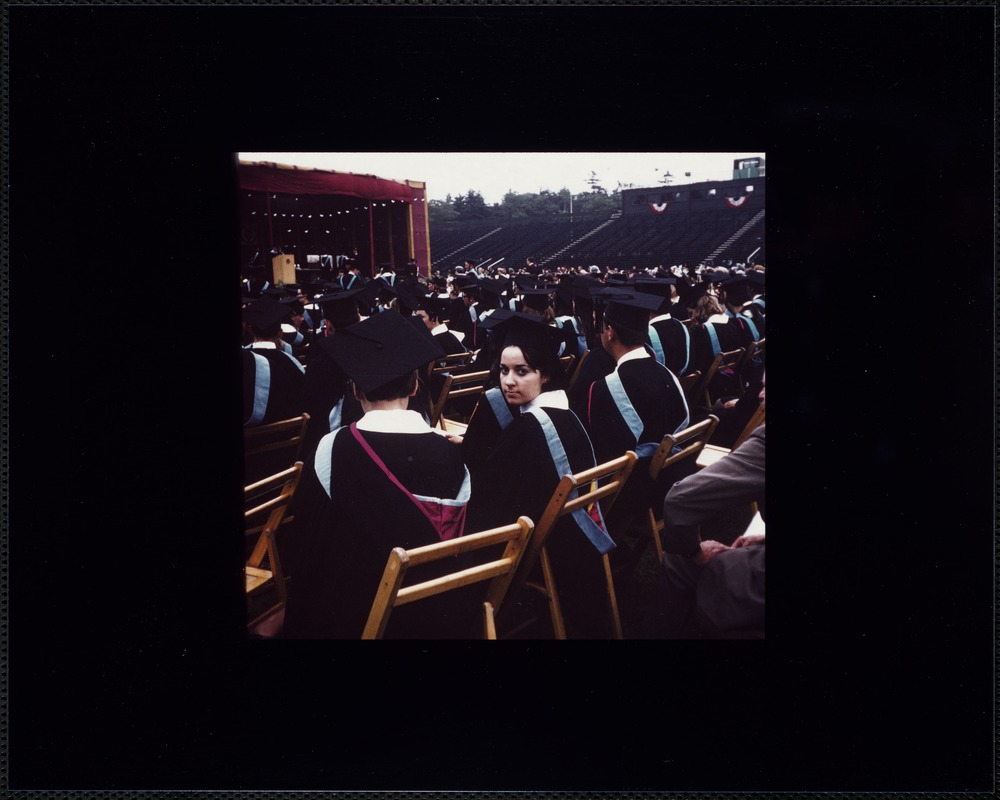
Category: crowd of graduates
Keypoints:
(353, 352)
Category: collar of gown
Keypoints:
(393, 421)
(553, 399)
(632, 355)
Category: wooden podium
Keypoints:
(283, 267)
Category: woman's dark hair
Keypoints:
(394, 389)
(544, 359)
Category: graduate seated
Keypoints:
(386, 481)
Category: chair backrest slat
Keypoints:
(615, 474)
(498, 571)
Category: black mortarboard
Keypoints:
(659, 287)
(341, 308)
(525, 281)
(409, 298)
(537, 299)
(380, 349)
(694, 294)
(293, 303)
(585, 287)
(630, 308)
(737, 289)
(266, 313)
(516, 329)
(756, 278)
(467, 283)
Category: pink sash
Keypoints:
(448, 520)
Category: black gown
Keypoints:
(513, 474)
(272, 386)
(661, 407)
(338, 544)
(597, 365)
(675, 340)
(731, 335)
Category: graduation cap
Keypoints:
(341, 308)
(467, 283)
(660, 288)
(409, 298)
(490, 291)
(657, 286)
(630, 308)
(537, 299)
(585, 287)
(516, 329)
(294, 303)
(756, 278)
(737, 289)
(265, 314)
(381, 349)
(694, 293)
(525, 281)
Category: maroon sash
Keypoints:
(448, 520)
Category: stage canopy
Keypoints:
(383, 220)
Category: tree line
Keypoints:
(472, 207)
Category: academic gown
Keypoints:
(571, 332)
(272, 386)
(675, 341)
(327, 390)
(597, 365)
(348, 518)
(513, 474)
(659, 402)
(731, 336)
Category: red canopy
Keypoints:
(266, 176)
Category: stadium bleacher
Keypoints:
(691, 234)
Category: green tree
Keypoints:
(441, 211)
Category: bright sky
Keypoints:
(494, 174)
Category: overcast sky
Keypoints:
(494, 174)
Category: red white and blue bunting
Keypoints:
(736, 202)
(658, 208)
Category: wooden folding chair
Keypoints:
(712, 453)
(489, 621)
(754, 351)
(602, 483)
(449, 363)
(576, 370)
(498, 571)
(727, 360)
(265, 505)
(466, 384)
(568, 362)
(270, 448)
(689, 382)
(674, 448)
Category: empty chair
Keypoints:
(674, 448)
(707, 389)
(465, 385)
(265, 504)
(575, 495)
(449, 363)
(270, 448)
(498, 570)
(712, 453)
